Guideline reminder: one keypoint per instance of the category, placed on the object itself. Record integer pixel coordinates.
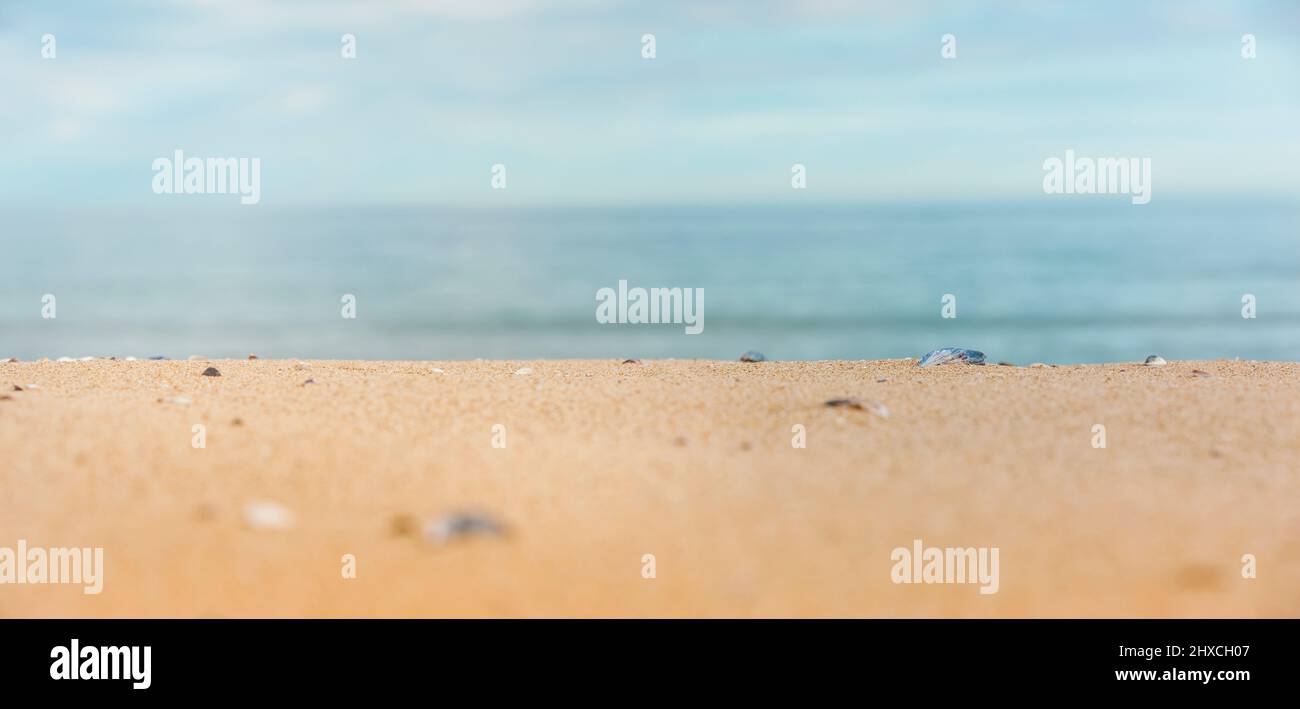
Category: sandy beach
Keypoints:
(690, 461)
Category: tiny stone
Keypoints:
(632, 361)
(157, 358)
(236, 422)
(1155, 361)
(881, 381)
(17, 388)
(752, 356)
(1005, 364)
(267, 516)
(402, 526)
(523, 371)
(309, 381)
(450, 527)
(252, 356)
(874, 407)
(12, 359)
(211, 372)
(1200, 373)
(435, 370)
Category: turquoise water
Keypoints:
(1054, 281)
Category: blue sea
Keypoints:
(1062, 281)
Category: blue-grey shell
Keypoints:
(950, 355)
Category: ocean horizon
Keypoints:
(1056, 281)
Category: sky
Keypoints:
(559, 93)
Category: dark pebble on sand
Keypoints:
(402, 526)
(236, 422)
(252, 356)
(1201, 373)
(950, 355)
(157, 358)
(631, 361)
(12, 359)
(211, 372)
(17, 388)
(874, 407)
(309, 381)
(752, 356)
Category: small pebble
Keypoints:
(881, 381)
(448, 528)
(157, 358)
(402, 526)
(17, 388)
(435, 370)
(1200, 373)
(236, 422)
(523, 371)
(631, 361)
(874, 407)
(309, 381)
(33, 386)
(252, 356)
(211, 372)
(1005, 364)
(752, 356)
(268, 516)
(950, 355)
(12, 359)
(1155, 361)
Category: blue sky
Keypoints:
(558, 92)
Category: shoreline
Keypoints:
(692, 461)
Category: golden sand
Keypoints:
(691, 461)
